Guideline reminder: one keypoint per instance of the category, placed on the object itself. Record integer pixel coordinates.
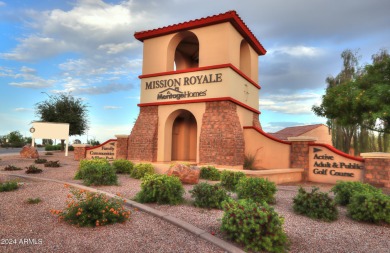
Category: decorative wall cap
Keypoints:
(230, 16)
(378, 155)
(122, 136)
(81, 145)
(302, 138)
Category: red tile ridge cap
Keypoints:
(230, 16)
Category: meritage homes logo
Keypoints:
(172, 86)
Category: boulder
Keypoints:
(29, 152)
(186, 174)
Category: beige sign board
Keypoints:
(107, 150)
(215, 83)
(327, 166)
(48, 130)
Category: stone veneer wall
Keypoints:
(79, 151)
(377, 171)
(256, 121)
(221, 138)
(142, 143)
(121, 146)
(299, 157)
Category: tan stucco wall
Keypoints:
(270, 154)
(166, 116)
(218, 44)
(232, 85)
(322, 134)
(331, 158)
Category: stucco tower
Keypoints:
(199, 89)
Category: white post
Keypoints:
(32, 142)
(66, 147)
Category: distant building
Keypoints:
(319, 131)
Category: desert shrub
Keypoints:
(257, 189)
(92, 209)
(315, 204)
(40, 161)
(255, 225)
(8, 186)
(141, 169)
(32, 170)
(33, 200)
(207, 195)
(89, 163)
(161, 189)
(229, 179)
(54, 164)
(369, 206)
(11, 167)
(99, 174)
(52, 147)
(249, 162)
(344, 190)
(49, 153)
(123, 166)
(210, 173)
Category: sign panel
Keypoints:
(107, 150)
(204, 84)
(327, 166)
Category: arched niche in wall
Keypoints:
(183, 51)
(245, 58)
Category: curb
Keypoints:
(131, 203)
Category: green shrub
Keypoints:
(315, 204)
(162, 189)
(40, 161)
(11, 168)
(257, 189)
(369, 206)
(229, 179)
(32, 170)
(52, 147)
(207, 195)
(141, 169)
(8, 186)
(99, 174)
(255, 225)
(210, 173)
(54, 164)
(87, 163)
(344, 190)
(33, 201)
(123, 166)
(92, 209)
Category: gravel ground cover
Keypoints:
(145, 233)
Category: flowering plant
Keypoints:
(92, 209)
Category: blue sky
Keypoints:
(87, 47)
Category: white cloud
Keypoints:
(21, 109)
(111, 107)
(2, 4)
(30, 79)
(290, 104)
(297, 51)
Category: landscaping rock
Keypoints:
(29, 152)
(186, 174)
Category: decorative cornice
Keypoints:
(230, 16)
(333, 149)
(201, 101)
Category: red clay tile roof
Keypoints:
(294, 131)
(230, 16)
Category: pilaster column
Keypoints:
(79, 151)
(299, 155)
(121, 146)
(377, 169)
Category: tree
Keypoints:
(15, 137)
(64, 108)
(357, 104)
